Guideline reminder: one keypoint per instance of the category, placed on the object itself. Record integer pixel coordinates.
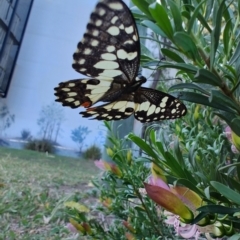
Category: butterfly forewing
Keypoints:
(110, 46)
(109, 54)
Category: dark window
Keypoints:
(13, 19)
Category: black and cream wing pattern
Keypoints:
(109, 55)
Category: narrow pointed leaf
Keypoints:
(188, 86)
(172, 55)
(161, 17)
(205, 76)
(216, 33)
(143, 6)
(143, 145)
(211, 208)
(187, 45)
(227, 192)
(151, 25)
(176, 14)
(204, 100)
(231, 119)
(217, 96)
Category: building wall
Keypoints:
(53, 31)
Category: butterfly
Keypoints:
(109, 55)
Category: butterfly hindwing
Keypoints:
(153, 105)
(116, 110)
(110, 47)
(147, 105)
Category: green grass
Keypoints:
(35, 186)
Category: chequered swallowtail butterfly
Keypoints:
(109, 54)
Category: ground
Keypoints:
(34, 187)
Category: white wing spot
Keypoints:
(114, 19)
(81, 61)
(94, 42)
(95, 33)
(72, 94)
(69, 99)
(110, 73)
(135, 38)
(101, 11)
(128, 42)
(157, 110)
(165, 99)
(108, 56)
(66, 89)
(111, 48)
(106, 65)
(71, 84)
(98, 23)
(122, 54)
(76, 103)
(82, 69)
(121, 26)
(163, 110)
(151, 110)
(87, 51)
(144, 106)
(115, 6)
(129, 29)
(173, 111)
(183, 111)
(113, 30)
(178, 104)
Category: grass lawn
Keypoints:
(35, 186)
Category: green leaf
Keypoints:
(143, 145)
(216, 33)
(227, 192)
(235, 55)
(227, 32)
(195, 14)
(172, 55)
(189, 86)
(161, 17)
(182, 66)
(205, 76)
(218, 96)
(143, 6)
(151, 25)
(212, 208)
(235, 237)
(176, 14)
(187, 45)
(204, 100)
(231, 119)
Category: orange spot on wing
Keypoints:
(90, 109)
(86, 104)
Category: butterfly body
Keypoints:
(109, 54)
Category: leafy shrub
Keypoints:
(92, 153)
(25, 134)
(40, 145)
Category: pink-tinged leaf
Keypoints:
(116, 170)
(190, 198)
(169, 201)
(158, 182)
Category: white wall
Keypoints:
(53, 31)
